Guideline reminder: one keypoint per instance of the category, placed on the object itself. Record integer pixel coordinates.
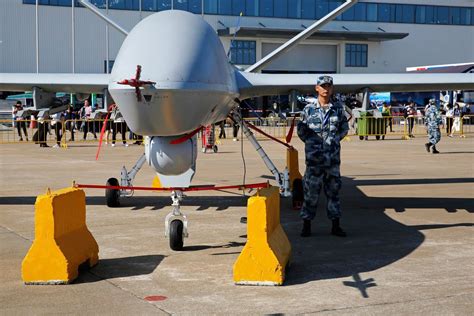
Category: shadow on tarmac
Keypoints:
(374, 239)
(120, 268)
(157, 202)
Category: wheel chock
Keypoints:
(293, 165)
(296, 184)
(62, 240)
(266, 254)
(156, 182)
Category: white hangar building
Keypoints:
(375, 36)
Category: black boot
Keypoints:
(306, 232)
(336, 229)
(427, 146)
(435, 151)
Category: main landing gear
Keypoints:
(176, 223)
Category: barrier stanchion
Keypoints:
(462, 128)
(405, 130)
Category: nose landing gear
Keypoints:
(176, 223)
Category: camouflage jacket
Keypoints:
(322, 134)
(432, 117)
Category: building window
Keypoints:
(111, 64)
(225, 7)
(124, 4)
(408, 13)
(154, 5)
(238, 6)
(251, 8)
(322, 8)
(280, 8)
(372, 12)
(308, 9)
(333, 4)
(266, 8)
(420, 14)
(360, 12)
(210, 6)
(242, 52)
(98, 3)
(294, 9)
(442, 15)
(429, 15)
(180, 5)
(356, 55)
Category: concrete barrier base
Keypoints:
(62, 241)
(267, 252)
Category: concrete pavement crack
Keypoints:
(383, 304)
(127, 291)
(15, 233)
(97, 276)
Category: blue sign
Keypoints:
(380, 97)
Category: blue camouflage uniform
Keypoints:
(432, 122)
(322, 132)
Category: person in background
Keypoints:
(69, 117)
(456, 127)
(222, 129)
(57, 120)
(432, 122)
(449, 118)
(118, 125)
(87, 125)
(235, 131)
(387, 112)
(19, 121)
(41, 136)
(411, 113)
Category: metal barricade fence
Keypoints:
(86, 131)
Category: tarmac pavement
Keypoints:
(408, 215)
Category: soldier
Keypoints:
(432, 123)
(322, 127)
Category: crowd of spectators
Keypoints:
(86, 119)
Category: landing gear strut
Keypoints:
(113, 196)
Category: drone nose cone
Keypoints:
(173, 47)
(175, 60)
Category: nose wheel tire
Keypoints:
(176, 235)
(112, 195)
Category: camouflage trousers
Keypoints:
(330, 179)
(434, 135)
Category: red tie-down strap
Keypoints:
(137, 83)
(193, 188)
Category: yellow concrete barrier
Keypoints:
(62, 240)
(293, 165)
(267, 251)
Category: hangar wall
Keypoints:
(425, 44)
